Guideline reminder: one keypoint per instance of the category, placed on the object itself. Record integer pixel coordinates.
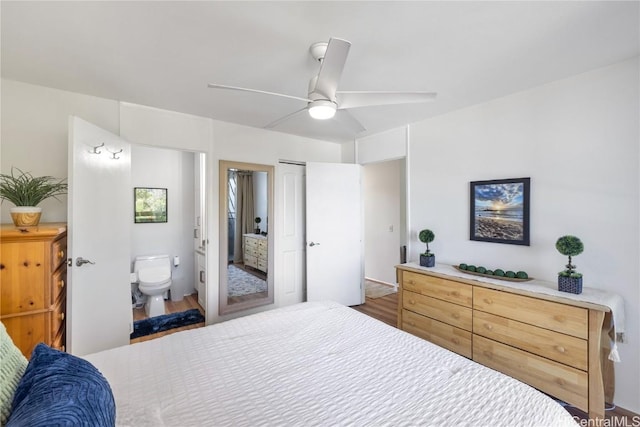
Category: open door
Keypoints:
(100, 215)
(335, 262)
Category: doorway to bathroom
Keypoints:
(181, 235)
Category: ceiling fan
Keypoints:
(324, 100)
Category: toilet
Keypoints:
(154, 279)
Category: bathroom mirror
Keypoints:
(246, 242)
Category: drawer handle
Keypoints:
(488, 326)
(61, 283)
(455, 293)
(411, 282)
(455, 341)
(488, 301)
(488, 354)
(61, 316)
(412, 302)
(455, 315)
(412, 324)
(560, 348)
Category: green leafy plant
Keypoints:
(23, 189)
(258, 220)
(569, 246)
(427, 236)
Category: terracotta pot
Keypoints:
(26, 216)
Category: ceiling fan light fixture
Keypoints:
(322, 109)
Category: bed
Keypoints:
(312, 364)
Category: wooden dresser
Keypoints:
(33, 276)
(255, 251)
(554, 344)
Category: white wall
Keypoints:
(35, 131)
(578, 140)
(173, 170)
(382, 222)
(388, 145)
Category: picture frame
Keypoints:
(150, 205)
(499, 211)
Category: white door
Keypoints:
(335, 267)
(291, 182)
(100, 213)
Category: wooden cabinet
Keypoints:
(255, 251)
(552, 343)
(33, 276)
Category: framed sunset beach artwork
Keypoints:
(500, 211)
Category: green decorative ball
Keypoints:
(426, 236)
(569, 245)
(471, 268)
(498, 272)
(481, 270)
(510, 274)
(462, 266)
(489, 272)
(522, 275)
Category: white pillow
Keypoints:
(11, 370)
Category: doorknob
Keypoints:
(313, 244)
(81, 261)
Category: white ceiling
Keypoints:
(163, 54)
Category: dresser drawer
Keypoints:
(563, 382)
(453, 314)
(442, 334)
(250, 261)
(262, 265)
(562, 348)
(558, 317)
(58, 253)
(250, 243)
(59, 340)
(262, 244)
(58, 316)
(447, 290)
(59, 284)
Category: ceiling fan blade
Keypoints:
(350, 122)
(275, 123)
(349, 99)
(331, 68)
(244, 89)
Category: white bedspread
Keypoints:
(312, 364)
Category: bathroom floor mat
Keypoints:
(165, 322)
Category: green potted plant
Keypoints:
(258, 220)
(26, 192)
(569, 280)
(428, 258)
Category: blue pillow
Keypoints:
(60, 389)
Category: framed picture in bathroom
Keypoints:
(150, 205)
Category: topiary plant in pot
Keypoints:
(258, 220)
(428, 258)
(27, 192)
(569, 280)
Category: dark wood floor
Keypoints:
(385, 309)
